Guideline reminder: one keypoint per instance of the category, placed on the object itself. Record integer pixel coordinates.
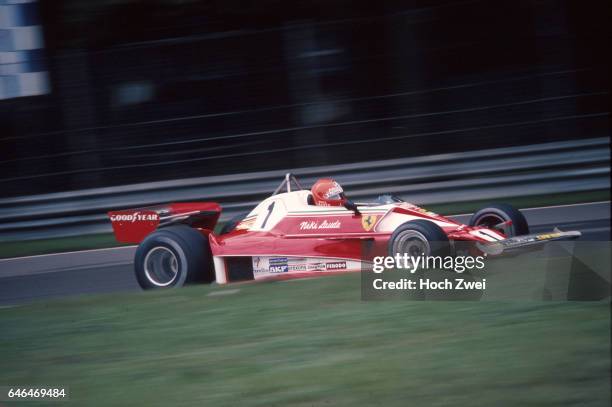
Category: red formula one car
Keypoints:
(286, 235)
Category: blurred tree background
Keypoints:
(151, 90)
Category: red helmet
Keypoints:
(327, 192)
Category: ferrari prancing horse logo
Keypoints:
(368, 222)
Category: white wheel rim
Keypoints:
(161, 266)
(412, 243)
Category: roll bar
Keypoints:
(289, 179)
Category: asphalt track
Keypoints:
(42, 277)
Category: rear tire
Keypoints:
(172, 257)
(498, 213)
(418, 237)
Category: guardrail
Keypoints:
(569, 166)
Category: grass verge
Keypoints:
(308, 343)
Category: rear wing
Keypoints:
(133, 225)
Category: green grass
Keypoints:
(308, 343)
(96, 241)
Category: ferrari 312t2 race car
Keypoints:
(286, 236)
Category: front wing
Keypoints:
(524, 242)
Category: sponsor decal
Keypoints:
(135, 217)
(316, 225)
(368, 222)
(280, 268)
(132, 226)
(258, 265)
(316, 267)
(335, 265)
(298, 267)
(278, 265)
(298, 264)
(548, 236)
(334, 191)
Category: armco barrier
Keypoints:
(569, 166)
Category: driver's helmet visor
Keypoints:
(335, 193)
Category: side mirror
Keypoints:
(351, 206)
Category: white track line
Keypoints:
(564, 206)
(72, 252)
(546, 207)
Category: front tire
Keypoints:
(419, 237)
(496, 214)
(172, 257)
